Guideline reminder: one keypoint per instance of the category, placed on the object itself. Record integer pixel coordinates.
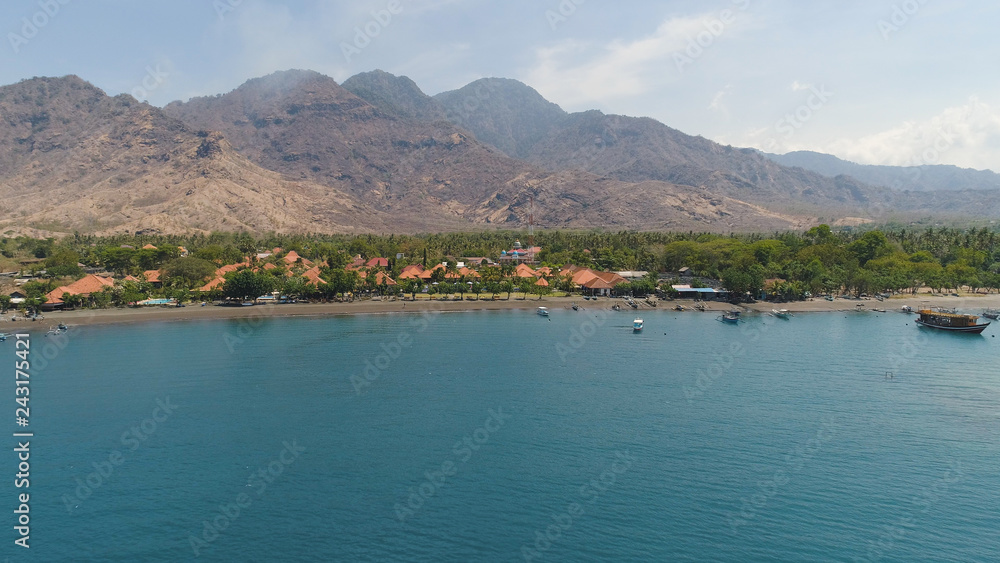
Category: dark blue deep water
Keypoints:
(504, 436)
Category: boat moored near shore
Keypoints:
(949, 321)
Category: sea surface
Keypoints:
(506, 436)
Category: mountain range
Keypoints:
(296, 152)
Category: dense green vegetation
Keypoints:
(817, 261)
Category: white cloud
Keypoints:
(967, 135)
(718, 101)
(578, 73)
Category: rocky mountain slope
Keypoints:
(294, 151)
(935, 177)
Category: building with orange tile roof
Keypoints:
(411, 272)
(378, 263)
(149, 247)
(293, 257)
(89, 284)
(312, 274)
(525, 271)
(380, 278)
(153, 277)
(216, 283)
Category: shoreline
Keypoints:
(88, 317)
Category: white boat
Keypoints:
(637, 325)
(781, 313)
(906, 309)
(543, 311)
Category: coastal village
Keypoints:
(370, 277)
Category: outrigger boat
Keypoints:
(730, 317)
(576, 307)
(992, 314)
(543, 311)
(949, 321)
(781, 313)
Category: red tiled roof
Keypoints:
(230, 268)
(380, 276)
(380, 262)
(152, 276)
(54, 297)
(213, 284)
(149, 247)
(292, 257)
(89, 284)
(525, 271)
(312, 274)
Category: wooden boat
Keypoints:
(730, 318)
(993, 314)
(637, 325)
(952, 322)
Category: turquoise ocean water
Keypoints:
(505, 436)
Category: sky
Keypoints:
(899, 82)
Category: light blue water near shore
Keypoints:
(504, 436)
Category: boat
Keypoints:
(679, 307)
(829, 298)
(543, 311)
(952, 322)
(730, 318)
(781, 313)
(575, 307)
(906, 309)
(877, 310)
(992, 314)
(616, 307)
(700, 306)
(637, 325)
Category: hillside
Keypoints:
(74, 159)
(917, 178)
(504, 113)
(295, 152)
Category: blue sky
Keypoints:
(875, 81)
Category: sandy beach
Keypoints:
(969, 303)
